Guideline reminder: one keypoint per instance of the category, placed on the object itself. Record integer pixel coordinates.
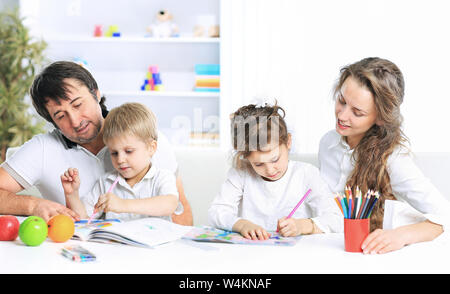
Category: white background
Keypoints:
(293, 50)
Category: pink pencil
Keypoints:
(299, 203)
(109, 191)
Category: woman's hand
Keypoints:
(383, 241)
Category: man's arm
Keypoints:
(10, 203)
(186, 217)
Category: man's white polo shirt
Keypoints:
(42, 160)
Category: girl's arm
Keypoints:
(250, 230)
(300, 226)
(223, 212)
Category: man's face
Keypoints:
(80, 117)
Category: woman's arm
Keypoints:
(383, 241)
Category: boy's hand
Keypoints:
(288, 227)
(110, 202)
(70, 181)
(250, 230)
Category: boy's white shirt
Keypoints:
(247, 196)
(408, 184)
(156, 182)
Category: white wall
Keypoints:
(293, 50)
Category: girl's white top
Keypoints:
(409, 185)
(245, 195)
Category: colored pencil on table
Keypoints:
(109, 191)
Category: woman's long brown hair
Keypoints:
(385, 81)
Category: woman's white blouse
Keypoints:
(247, 196)
(407, 180)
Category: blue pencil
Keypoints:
(350, 207)
(343, 205)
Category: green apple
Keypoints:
(33, 231)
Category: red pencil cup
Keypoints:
(355, 231)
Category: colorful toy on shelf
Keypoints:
(113, 31)
(153, 80)
(207, 78)
(207, 26)
(163, 27)
(98, 31)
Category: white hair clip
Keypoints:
(260, 102)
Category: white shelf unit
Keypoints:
(120, 64)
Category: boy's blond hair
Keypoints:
(130, 118)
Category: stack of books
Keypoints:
(207, 78)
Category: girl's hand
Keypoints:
(288, 227)
(70, 181)
(250, 230)
(110, 202)
(383, 241)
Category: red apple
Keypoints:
(9, 228)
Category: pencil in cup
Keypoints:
(109, 191)
(358, 207)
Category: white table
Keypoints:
(315, 254)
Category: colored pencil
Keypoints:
(373, 204)
(359, 197)
(359, 216)
(344, 207)
(109, 191)
(338, 203)
(350, 205)
(299, 203)
(366, 205)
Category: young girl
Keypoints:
(263, 186)
(142, 189)
(367, 149)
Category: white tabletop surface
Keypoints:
(314, 254)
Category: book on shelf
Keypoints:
(200, 139)
(144, 232)
(207, 78)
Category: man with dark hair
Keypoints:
(66, 95)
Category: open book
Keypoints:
(144, 232)
(208, 234)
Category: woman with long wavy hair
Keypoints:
(368, 150)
